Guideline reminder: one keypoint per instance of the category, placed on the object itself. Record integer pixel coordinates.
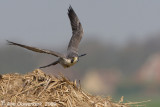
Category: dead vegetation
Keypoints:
(38, 89)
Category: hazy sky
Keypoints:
(45, 22)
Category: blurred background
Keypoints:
(122, 40)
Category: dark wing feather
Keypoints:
(37, 50)
(77, 31)
(54, 63)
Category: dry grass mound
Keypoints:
(38, 89)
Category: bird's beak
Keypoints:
(82, 55)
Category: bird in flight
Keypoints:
(72, 56)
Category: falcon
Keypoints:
(72, 56)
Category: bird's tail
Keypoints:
(54, 63)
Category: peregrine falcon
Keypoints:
(72, 56)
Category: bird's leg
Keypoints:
(54, 63)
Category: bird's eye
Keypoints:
(72, 60)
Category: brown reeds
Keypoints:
(38, 89)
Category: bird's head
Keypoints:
(76, 58)
(81, 56)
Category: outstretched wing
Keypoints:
(77, 31)
(37, 50)
(54, 63)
